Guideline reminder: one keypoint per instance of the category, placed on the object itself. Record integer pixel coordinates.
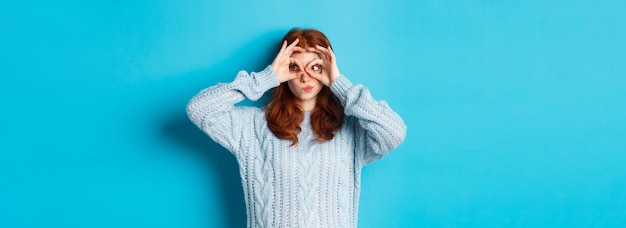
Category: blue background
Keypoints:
(516, 109)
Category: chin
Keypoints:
(304, 98)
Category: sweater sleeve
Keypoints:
(213, 109)
(378, 129)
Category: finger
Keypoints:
(315, 68)
(282, 48)
(316, 50)
(294, 43)
(322, 49)
(281, 51)
(322, 55)
(329, 49)
(314, 62)
(292, 76)
(331, 52)
(298, 49)
(325, 55)
(297, 63)
(325, 52)
(294, 60)
(290, 48)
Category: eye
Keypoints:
(294, 67)
(316, 67)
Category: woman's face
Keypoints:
(304, 87)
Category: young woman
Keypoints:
(300, 157)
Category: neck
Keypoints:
(307, 105)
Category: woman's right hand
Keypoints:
(283, 62)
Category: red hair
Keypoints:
(284, 115)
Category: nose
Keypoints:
(304, 76)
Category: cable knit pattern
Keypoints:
(312, 184)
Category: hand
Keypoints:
(283, 62)
(325, 69)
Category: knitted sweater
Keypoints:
(312, 184)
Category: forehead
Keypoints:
(305, 56)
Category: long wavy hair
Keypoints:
(284, 115)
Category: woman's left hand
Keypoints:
(325, 69)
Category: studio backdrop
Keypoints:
(516, 110)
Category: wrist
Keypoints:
(334, 77)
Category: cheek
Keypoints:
(292, 85)
(319, 88)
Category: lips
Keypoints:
(308, 88)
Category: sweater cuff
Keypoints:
(340, 87)
(266, 79)
(254, 85)
(263, 81)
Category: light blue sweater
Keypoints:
(313, 184)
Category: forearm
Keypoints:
(211, 109)
(384, 129)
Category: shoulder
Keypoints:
(253, 123)
(250, 117)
